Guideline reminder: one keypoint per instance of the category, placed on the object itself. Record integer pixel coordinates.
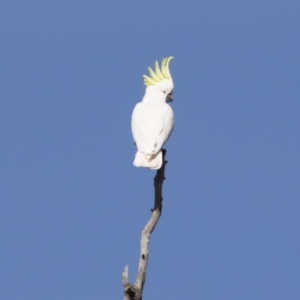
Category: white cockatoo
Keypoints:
(153, 119)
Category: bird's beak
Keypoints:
(170, 98)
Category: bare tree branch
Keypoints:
(135, 292)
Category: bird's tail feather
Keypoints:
(154, 162)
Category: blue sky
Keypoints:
(73, 205)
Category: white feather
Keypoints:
(152, 123)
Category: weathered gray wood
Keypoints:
(135, 292)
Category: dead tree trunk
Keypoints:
(135, 291)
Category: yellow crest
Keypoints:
(160, 73)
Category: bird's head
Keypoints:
(160, 80)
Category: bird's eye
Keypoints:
(164, 91)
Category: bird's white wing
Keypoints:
(151, 126)
(143, 128)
